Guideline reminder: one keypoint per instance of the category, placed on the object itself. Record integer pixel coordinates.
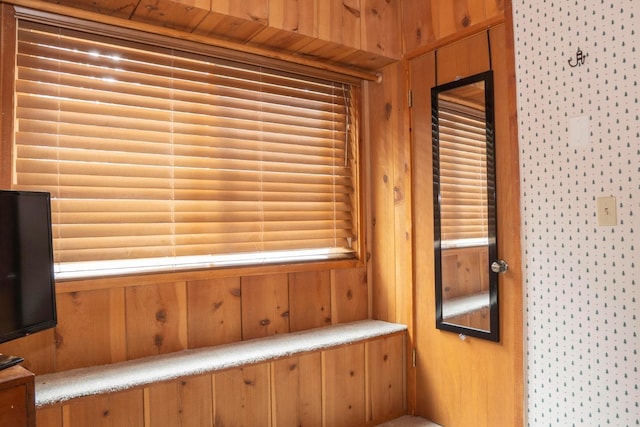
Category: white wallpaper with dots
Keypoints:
(578, 109)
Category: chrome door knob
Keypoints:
(499, 266)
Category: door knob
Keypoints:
(499, 266)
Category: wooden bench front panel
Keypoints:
(354, 385)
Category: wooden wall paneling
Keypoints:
(509, 232)
(265, 305)
(38, 351)
(464, 58)
(422, 77)
(339, 21)
(51, 416)
(381, 27)
(214, 312)
(385, 371)
(297, 16)
(116, 8)
(156, 319)
(349, 295)
(343, 391)
(296, 395)
(124, 408)
(250, 10)
(419, 28)
(390, 192)
(91, 328)
(7, 82)
(183, 15)
(242, 397)
(309, 300)
(184, 402)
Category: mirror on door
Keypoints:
(466, 258)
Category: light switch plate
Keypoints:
(607, 215)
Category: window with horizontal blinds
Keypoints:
(463, 174)
(159, 159)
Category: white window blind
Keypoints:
(160, 159)
(463, 174)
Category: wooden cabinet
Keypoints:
(17, 397)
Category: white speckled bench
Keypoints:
(61, 387)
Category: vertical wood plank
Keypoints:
(418, 25)
(156, 319)
(350, 295)
(296, 391)
(298, 16)
(90, 328)
(108, 410)
(309, 300)
(7, 100)
(464, 58)
(265, 305)
(50, 416)
(184, 402)
(181, 15)
(339, 21)
(390, 195)
(385, 360)
(422, 77)
(250, 10)
(381, 27)
(214, 312)
(242, 397)
(344, 386)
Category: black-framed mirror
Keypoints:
(466, 255)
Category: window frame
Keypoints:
(9, 102)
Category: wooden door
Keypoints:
(468, 382)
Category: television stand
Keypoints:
(17, 397)
(7, 361)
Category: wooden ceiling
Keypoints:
(337, 32)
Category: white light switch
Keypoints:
(607, 211)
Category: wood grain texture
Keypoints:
(350, 295)
(265, 305)
(380, 24)
(309, 300)
(297, 397)
(181, 15)
(387, 392)
(49, 417)
(344, 386)
(214, 312)
(390, 197)
(242, 397)
(185, 402)
(112, 410)
(7, 79)
(156, 319)
(90, 328)
(297, 16)
(464, 58)
(339, 22)
(473, 374)
(424, 22)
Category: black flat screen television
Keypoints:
(27, 286)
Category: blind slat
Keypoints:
(150, 152)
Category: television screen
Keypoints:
(27, 290)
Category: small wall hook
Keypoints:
(580, 58)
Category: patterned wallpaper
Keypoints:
(579, 141)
